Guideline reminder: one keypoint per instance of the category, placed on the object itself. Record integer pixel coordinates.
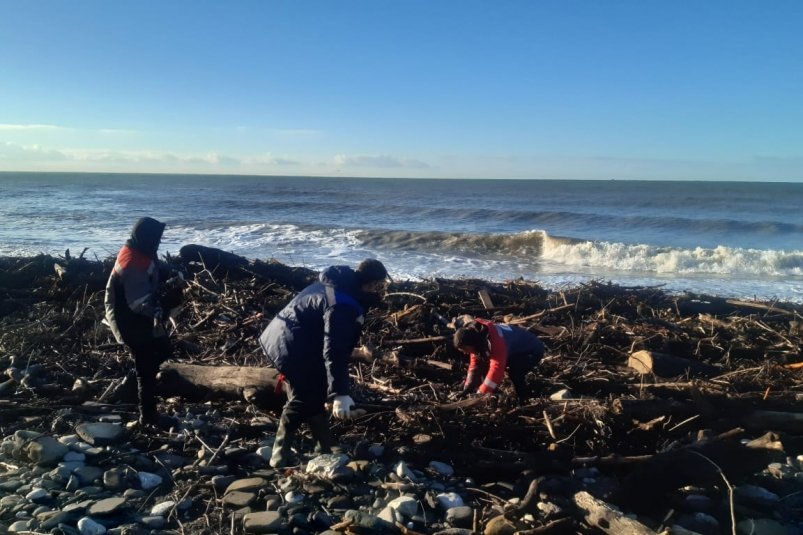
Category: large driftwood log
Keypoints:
(257, 385)
(603, 516)
(664, 365)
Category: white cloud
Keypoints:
(268, 159)
(379, 161)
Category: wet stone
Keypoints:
(222, 482)
(100, 433)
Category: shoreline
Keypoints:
(600, 431)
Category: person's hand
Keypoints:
(341, 408)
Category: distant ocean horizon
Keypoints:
(731, 239)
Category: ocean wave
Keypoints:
(723, 260)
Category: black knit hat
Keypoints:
(371, 270)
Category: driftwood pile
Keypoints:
(647, 401)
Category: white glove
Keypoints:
(341, 408)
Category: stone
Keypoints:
(327, 465)
(54, 519)
(87, 526)
(293, 497)
(107, 506)
(756, 496)
(340, 502)
(10, 485)
(449, 500)
(119, 478)
(222, 482)
(20, 526)
(65, 469)
(100, 433)
(45, 450)
(442, 469)
(369, 522)
(88, 474)
(403, 471)
(263, 522)
(376, 450)
(405, 505)
(248, 484)
(460, 517)
(74, 456)
(237, 498)
(162, 508)
(148, 480)
(499, 525)
(702, 523)
(37, 495)
(699, 502)
(391, 516)
(762, 526)
(153, 522)
(265, 452)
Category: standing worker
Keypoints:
(310, 342)
(134, 311)
(497, 346)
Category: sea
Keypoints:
(730, 239)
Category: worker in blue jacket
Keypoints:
(310, 342)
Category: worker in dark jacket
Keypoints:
(134, 313)
(310, 342)
(497, 347)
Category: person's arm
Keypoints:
(496, 370)
(341, 332)
(473, 376)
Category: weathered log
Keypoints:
(664, 365)
(603, 516)
(257, 384)
(790, 422)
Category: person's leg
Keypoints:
(306, 395)
(520, 365)
(146, 365)
(289, 422)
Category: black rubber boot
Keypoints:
(285, 437)
(319, 426)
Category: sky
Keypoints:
(564, 89)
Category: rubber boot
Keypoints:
(285, 436)
(319, 426)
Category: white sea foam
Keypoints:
(649, 258)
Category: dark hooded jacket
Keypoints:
(323, 322)
(131, 291)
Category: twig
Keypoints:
(730, 489)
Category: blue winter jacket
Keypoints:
(323, 322)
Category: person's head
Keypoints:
(473, 338)
(372, 278)
(146, 235)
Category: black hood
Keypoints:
(341, 277)
(146, 235)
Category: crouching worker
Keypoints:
(310, 342)
(134, 311)
(497, 346)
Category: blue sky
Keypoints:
(518, 89)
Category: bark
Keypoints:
(603, 516)
(256, 384)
